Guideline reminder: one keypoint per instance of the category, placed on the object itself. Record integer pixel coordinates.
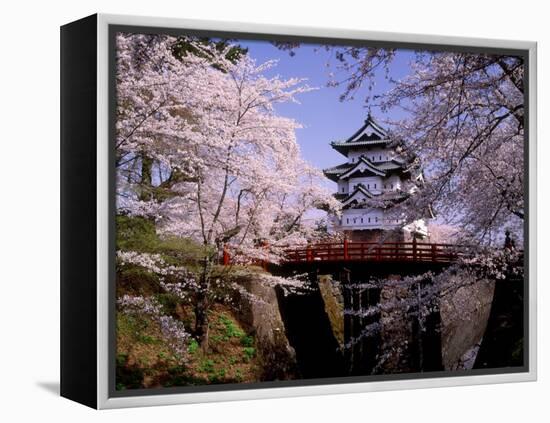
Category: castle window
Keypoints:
(369, 219)
(376, 219)
(354, 220)
(361, 220)
(380, 157)
(347, 220)
(391, 186)
(342, 189)
(374, 185)
(368, 186)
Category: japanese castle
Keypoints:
(370, 182)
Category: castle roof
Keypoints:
(359, 193)
(363, 166)
(370, 134)
(334, 172)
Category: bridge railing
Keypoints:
(374, 251)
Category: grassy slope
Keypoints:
(143, 358)
(145, 361)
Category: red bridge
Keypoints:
(371, 252)
(375, 251)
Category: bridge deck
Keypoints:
(411, 252)
(373, 251)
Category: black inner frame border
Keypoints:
(113, 29)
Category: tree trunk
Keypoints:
(202, 305)
(201, 320)
(146, 178)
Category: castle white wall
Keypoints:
(375, 155)
(343, 187)
(375, 184)
(367, 219)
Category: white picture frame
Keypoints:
(103, 215)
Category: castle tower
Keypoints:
(369, 183)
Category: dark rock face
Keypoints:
(503, 341)
(464, 316)
(302, 335)
(452, 332)
(334, 305)
(310, 332)
(259, 312)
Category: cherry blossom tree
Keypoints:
(202, 151)
(464, 118)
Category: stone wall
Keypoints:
(464, 315)
(334, 305)
(464, 308)
(262, 317)
(447, 339)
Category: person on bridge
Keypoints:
(509, 243)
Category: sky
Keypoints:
(324, 117)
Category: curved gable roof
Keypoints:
(334, 172)
(362, 165)
(370, 134)
(359, 192)
(370, 131)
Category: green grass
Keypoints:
(217, 376)
(247, 341)
(207, 366)
(231, 330)
(193, 347)
(149, 340)
(249, 352)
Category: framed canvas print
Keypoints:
(255, 211)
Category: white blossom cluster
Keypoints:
(152, 262)
(497, 264)
(172, 330)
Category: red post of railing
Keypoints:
(309, 255)
(345, 249)
(434, 252)
(226, 258)
(414, 249)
